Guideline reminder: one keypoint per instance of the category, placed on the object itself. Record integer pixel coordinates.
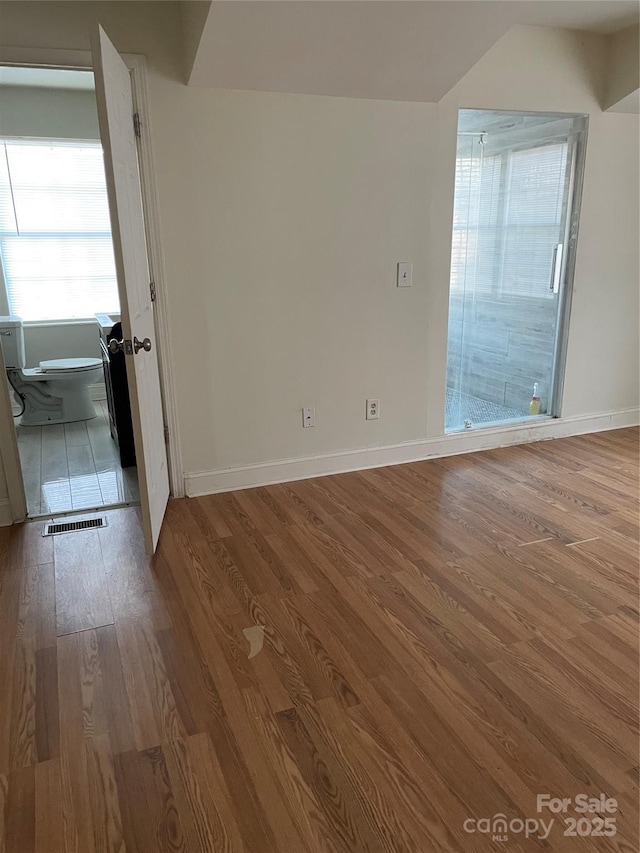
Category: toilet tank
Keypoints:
(12, 340)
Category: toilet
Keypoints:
(55, 392)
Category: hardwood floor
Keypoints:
(432, 645)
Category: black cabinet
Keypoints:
(118, 404)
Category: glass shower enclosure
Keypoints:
(515, 223)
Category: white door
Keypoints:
(115, 113)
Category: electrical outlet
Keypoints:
(309, 416)
(373, 409)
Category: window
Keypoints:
(508, 210)
(534, 210)
(55, 235)
(475, 216)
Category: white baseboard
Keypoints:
(305, 467)
(6, 516)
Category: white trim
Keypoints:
(10, 457)
(6, 515)
(72, 59)
(302, 468)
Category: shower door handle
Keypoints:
(556, 268)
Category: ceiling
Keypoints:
(413, 51)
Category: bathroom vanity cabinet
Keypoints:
(117, 390)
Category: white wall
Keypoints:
(284, 216)
(623, 71)
(299, 209)
(68, 340)
(194, 14)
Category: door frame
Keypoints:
(81, 60)
(10, 457)
(577, 141)
(578, 147)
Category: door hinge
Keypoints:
(137, 124)
(166, 434)
(152, 290)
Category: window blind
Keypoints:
(533, 215)
(508, 212)
(55, 235)
(475, 216)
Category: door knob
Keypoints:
(145, 345)
(115, 346)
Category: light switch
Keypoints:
(405, 274)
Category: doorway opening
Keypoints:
(59, 303)
(515, 224)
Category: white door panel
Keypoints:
(115, 113)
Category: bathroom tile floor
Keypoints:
(461, 407)
(74, 466)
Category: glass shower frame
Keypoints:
(472, 277)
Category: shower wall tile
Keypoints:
(498, 347)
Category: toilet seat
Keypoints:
(69, 365)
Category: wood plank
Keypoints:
(47, 722)
(36, 617)
(82, 596)
(133, 586)
(202, 796)
(49, 830)
(74, 801)
(24, 545)
(117, 710)
(10, 585)
(4, 790)
(151, 822)
(103, 795)
(20, 812)
(153, 707)
(23, 722)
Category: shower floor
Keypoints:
(462, 407)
